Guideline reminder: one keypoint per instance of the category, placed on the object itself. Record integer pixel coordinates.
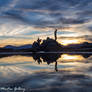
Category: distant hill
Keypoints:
(49, 45)
(82, 45)
(28, 46)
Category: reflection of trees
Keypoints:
(86, 55)
(53, 57)
(46, 57)
(49, 58)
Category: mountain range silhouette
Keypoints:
(48, 45)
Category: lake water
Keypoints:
(46, 73)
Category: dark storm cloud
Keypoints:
(49, 4)
(72, 21)
(85, 13)
(49, 13)
(4, 2)
(16, 15)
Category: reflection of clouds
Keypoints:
(11, 73)
(17, 67)
(23, 71)
(65, 80)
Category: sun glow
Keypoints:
(74, 41)
(67, 57)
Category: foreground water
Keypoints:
(46, 73)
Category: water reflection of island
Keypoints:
(53, 57)
(48, 57)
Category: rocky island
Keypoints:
(48, 45)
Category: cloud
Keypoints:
(7, 5)
(23, 17)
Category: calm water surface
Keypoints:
(41, 73)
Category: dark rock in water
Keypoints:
(36, 46)
(50, 45)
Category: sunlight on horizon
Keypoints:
(71, 41)
(66, 42)
(18, 42)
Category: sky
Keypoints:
(25, 20)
